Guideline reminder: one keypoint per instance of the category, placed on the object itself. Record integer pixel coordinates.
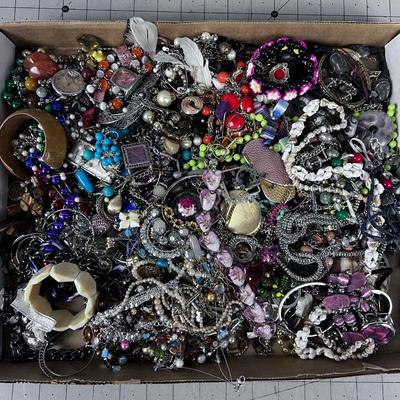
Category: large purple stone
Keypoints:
(352, 337)
(380, 333)
(357, 281)
(336, 301)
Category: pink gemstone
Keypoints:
(366, 292)
(124, 78)
(380, 333)
(365, 307)
(124, 56)
(224, 258)
(98, 96)
(235, 121)
(336, 301)
(342, 280)
(332, 279)
(338, 320)
(357, 281)
(207, 199)
(211, 241)
(352, 337)
(350, 318)
(268, 254)
(124, 344)
(212, 179)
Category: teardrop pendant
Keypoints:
(115, 205)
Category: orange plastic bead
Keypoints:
(108, 74)
(137, 52)
(222, 76)
(31, 84)
(104, 64)
(117, 103)
(148, 67)
(104, 85)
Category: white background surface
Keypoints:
(377, 387)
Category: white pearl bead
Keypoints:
(179, 363)
(103, 106)
(164, 98)
(90, 89)
(231, 55)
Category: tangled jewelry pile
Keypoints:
(181, 201)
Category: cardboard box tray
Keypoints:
(61, 37)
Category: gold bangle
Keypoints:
(55, 149)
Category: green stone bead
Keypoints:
(236, 157)
(349, 187)
(390, 113)
(325, 198)
(392, 144)
(247, 138)
(15, 104)
(295, 118)
(202, 154)
(201, 165)
(391, 106)
(47, 107)
(277, 147)
(186, 166)
(387, 167)
(195, 168)
(7, 96)
(259, 117)
(239, 140)
(203, 147)
(243, 161)
(228, 159)
(364, 191)
(336, 162)
(10, 84)
(255, 136)
(192, 163)
(341, 215)
(356, 115)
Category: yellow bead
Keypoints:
(211, 297)
(98, 55)
(31, 84)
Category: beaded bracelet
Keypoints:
(282, 68)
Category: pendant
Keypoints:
(115, 205)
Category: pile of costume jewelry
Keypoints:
(180, 201)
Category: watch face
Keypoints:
(68, 82)
(136, 156)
